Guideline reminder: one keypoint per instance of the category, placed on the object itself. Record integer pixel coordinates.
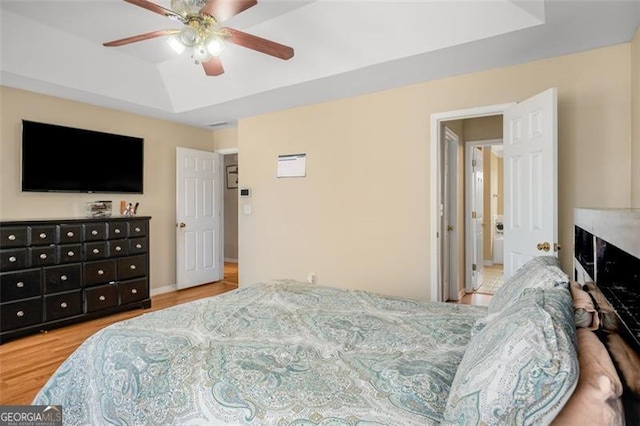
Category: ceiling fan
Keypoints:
(200, 31)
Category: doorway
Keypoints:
(484, 211)
(230, 212)
(530, 225)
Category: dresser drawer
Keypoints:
(42, 235)
(42, 256)
(13, 236)
(96, 250)
(69, 253)
(118, 248)
(12, 259)
(19, 285)
(20, 314)
(102, 297)
(62, 305)
(99, 272)
(133, 291)
(137, 245)
(137, 228)
(62, 278)
(68, 234)
(95, 231)
(117, 230)
(132, 267)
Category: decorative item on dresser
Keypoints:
(58, 272)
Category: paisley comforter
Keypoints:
(279, 353)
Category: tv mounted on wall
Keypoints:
(65, 159)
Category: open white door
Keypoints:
(477, 218)
(199, 186)
(530, 180)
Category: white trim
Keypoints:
(434, 179)
(227, 151)
(451, 137)
(162, 290)
(230, 260)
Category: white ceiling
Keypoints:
(342, 49)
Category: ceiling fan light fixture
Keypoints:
(176, 45)
(215, 45)
(188, 36)
(187, 7)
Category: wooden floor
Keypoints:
(27, 363)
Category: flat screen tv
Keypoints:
(65, 159)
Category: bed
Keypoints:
(289, 353)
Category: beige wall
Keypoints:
(160, 141)
(635, 116)
(360, 219)
(483, 128)
(226, 138)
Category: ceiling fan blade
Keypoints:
(225, 9)
(259, 44)
(213, 67)
(157, 9)
(140, 37)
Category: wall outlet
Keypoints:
(312, 278)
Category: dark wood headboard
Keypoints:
(607, 262)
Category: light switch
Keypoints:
(247, 209)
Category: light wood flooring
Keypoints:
(28, 362)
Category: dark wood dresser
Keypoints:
(57, 272)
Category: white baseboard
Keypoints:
(162, 290)
(488, 262)
(231, 260)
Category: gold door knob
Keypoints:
(182, 225)
(556, 247)
(544, 246)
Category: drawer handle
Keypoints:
(96, 251)
(102, 298)
(19, 284)
(132, 267)
(137, 229)
(12, 259)
(94, 232)
(63, 278)
(134, 291)
(139, 246)
(42, 235)
(118, 248)
(12, 237)
(70, 234)
(63, 305)
(100, 272)
(117, 231)
(20, 314)
(70, 253)
(43, 256)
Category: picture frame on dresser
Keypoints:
(58, 272)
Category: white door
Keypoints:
(530, 180)
(199, 186)
(477, 218)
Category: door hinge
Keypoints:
(473, 215)
(473, 267)
(473, 163)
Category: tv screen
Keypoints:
(65, 159)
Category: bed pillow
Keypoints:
(521, 368)
(585, 312)
(538, 272)
(597, 398)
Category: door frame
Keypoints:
(449, 228)
(468, 188)
(223, 152)
(435, 178)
